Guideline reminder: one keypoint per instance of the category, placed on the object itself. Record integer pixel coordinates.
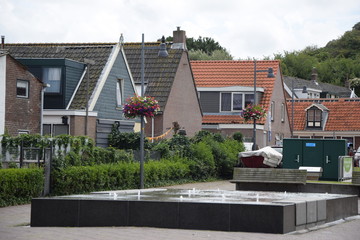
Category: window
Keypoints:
(52, 76)
(272, 111)
(119, 92)
(55, 129)
(282, 112)
(235, 101)
(225, 102)
(22, 88)
(20, 132)
(314, 117)
(249, 99)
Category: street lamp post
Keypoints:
(162, 53)
(270, 72)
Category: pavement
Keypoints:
(15, 221)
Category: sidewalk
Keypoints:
(14, 225)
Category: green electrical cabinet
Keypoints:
(314, 153)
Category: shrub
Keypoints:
(18, 186)
(204, 159)
(238, 136)
(116, 176)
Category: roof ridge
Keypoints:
(59, 44)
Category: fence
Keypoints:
(25, 157)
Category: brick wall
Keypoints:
(21, 113)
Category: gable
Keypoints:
(106, 104)
(159, 72)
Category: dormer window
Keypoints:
(314, 117)
(52, 76)
(235, 102)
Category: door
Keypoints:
(313, 153)
(332, 150)
(292, 153)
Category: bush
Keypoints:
(116, 176)
(238, 136)
(19, 186)
(203, 158)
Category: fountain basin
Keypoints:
(268, 212)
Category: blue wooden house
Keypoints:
(87, 84)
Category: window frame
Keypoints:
(47, 90)
(282, 112)
(311, 121)
(119, 93)
(27, 88)
(272, 111)
(243, 101)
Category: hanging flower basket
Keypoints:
(253, 112)
(138, 106)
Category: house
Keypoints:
(169, 80)
(87, 84)
(327, 118)
(20, 98)
(314, 89)
(227, 87)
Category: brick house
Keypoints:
(20, 98)
(327, 118)
(170, 81)
(227, 87)
(74, 73)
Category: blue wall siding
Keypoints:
(106, 104)
(74, 70)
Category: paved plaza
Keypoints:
(14, 225)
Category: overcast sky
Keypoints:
(245, 28)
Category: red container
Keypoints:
(253, 162)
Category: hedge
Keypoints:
(19, 186)
(84, 179)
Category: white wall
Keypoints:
(2, 92)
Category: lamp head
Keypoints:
(270, 73)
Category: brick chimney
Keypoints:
(179, 39)
(314, 75)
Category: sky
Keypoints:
(247, 29)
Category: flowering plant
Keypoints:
(253, 112)
(140, 106)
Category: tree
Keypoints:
(205, 49)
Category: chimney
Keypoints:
(2, 42)
(179, 39)
(314, 76)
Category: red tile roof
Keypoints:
(234, 73)
(344, 114)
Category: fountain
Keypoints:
(269, 212)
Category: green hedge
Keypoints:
(18, 186)
(83, 179)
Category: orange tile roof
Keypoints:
(344, 114)
(234, 73)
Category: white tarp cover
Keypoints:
(271, 157)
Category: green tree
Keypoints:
(205, 49)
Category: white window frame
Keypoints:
(272, 109)
(282, 112)
(119, 93)
(26, 86)
(243, 94)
